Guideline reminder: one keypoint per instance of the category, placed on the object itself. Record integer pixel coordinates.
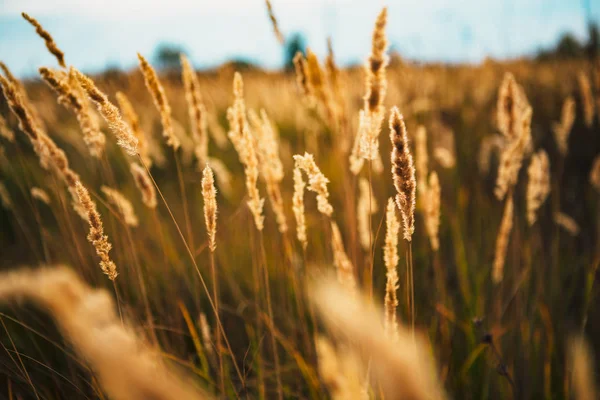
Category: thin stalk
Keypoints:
(186, 214)
(270, 313)
(216, 300)
(202, 281)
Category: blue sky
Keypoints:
(96, 34)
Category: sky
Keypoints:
(95, 34)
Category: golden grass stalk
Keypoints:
(390, 257)
(444, 157)
(587, 98)
(96, 236)
(563, 128)
(123, 364)
(196, 109)
(21, 90)
(421, 159)
(298, 207)
(70, 96)
(50, 44)
(276, 30)
(302, 80)
(340, 371)
(432, 210)
(376, 85)
(5, 198)
(356, 160)
(122, 204)
(316, 80)
(271, 167)
(209, 193)
(132, 119)
(512, 102)
(367, 205)
(144, 184)
(160, 101)
(110, 113)
(17, 104)
(404, 367)
(567, 223)
(403, 172)
(50, 156)
(581, 365)
(512, 156)
(502, 240)
(317, 182)
(538, 187)
(40, 195)
(245, 146)
(595, 173)
(5, 131)
(343, 265)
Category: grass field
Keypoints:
(253, 234)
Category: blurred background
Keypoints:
(107, 34)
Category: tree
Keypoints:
(167, 56)
(295, 43)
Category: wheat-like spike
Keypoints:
(19, 108)
(96, 236)
(502, 240)
(562, 129)
(50, 156)
(40, 195)
(196, 109)
(390, 257)
(512, 102)
(110, 113)
(276, 30)
(567, 223)
(160, 101)
(403, 367)
(209, 193)
(366, 206)
(245, 145)
(222, 175)
(131, 118)
(144, 184)
(432, 210)
(512, 157)
(26, 101)
(271, 166)
(316, 79)
(121, 362)
(317, 182)
(538, 186)
(356, 160)
(5, 131)
(50, 44)
(403, 172)
(298, 207)
(587, 98)
(122, 203)
(302, 80)
(70, 96)
(344, 267)
(376, 84)
(341, 371)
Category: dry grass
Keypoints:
(496, 272)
